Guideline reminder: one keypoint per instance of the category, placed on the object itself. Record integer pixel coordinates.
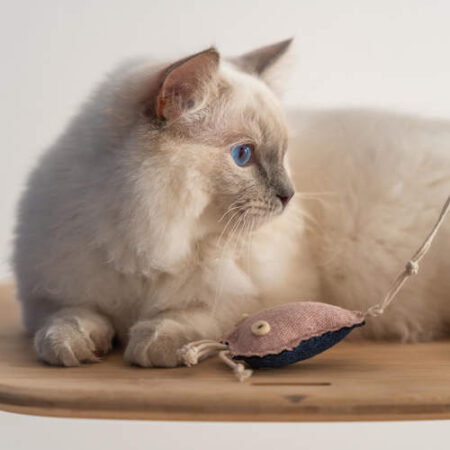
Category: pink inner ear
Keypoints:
(170, 101)
(184, 83)
(160, 105)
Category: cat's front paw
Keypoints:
(73, 340)
(155, 343)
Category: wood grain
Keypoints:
(353, 381)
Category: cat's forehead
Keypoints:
(243, 110)
(254, 110)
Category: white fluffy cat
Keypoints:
(162, 213)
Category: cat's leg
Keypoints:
(72, 336)
(154, 342)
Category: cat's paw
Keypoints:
(73, 340)
(155, 343)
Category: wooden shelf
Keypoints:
(353, 381)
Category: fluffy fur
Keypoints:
(138, 223)
(381, 180)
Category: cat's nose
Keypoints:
(284, 195)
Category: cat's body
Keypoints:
(382, 179)
(125, 229)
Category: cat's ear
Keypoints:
(185, 84)
(264, 61)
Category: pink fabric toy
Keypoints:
(293, 332)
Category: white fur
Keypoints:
(110, 230)
(381, 180)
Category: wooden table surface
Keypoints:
(353, 381)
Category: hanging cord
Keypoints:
(238, 368)
(412, 267)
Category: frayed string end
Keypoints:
(241, 372)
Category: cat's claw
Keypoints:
(71, 342)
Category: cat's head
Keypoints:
(212, 136)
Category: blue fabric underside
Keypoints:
(306, 349)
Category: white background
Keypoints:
(39, 433)
(384, 53)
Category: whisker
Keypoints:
(229, 210)
(250, 235)
(315, 195)
(221, 280)
(226, 226)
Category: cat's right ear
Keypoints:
(184, 85)
(266, 63)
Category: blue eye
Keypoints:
(241, 154)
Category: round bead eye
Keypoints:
(241, 154)
(260, 328)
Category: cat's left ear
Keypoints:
(264, 62)
(185, 84)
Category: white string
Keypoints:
(238, 368)
(412, 266)
(192, 353)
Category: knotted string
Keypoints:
(412, 267)
(241, 372)
(195, 351)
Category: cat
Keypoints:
(166, 210)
